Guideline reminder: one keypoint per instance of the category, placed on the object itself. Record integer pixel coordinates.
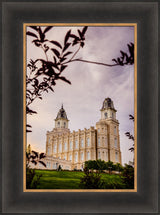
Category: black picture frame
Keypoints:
(14, 14)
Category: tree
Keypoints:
(128, 176)
(110, 166)
(118, 167)
(43, 74)
(32, 179)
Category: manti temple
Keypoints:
(71, 149)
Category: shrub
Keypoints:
(128, 176)
(91, 180)
(32, 179)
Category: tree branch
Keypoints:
(93, 62)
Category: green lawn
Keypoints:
(70, 180)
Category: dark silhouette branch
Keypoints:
(93, 62)
(44, 73)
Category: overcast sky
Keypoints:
(91, 84)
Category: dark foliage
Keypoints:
(42, 74)
(59, 168)
(91, 180)
(128, 176)
(32, 179)
(102, 165)
(126, 59)
(129, 135)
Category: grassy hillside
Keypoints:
(70, 180)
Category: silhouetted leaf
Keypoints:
(29, 111)
(37, 43)
(67, 54)
(74, 36)
(131, 117)
(84, 30)
(34, 27)
(80, 33)
(82, 44)
(114, 60)
(64, 79)
(36, 82)
(36, 153)
(47, 29)
(28, 130)
(29, 126)
(33, 161)
(66, 46)
(63, 67)
(33, 156)
(42, 163)
(62, 59)
(67, 37)
(42, 35)
(131, 149)
(31, 34)
(56, 52)
(51, 88)
(42, 155)
(56, 43)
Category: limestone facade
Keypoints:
(99, 142)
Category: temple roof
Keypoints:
(108, 103)
(61, 114)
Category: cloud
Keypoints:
(91, 84)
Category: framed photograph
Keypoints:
(97, 158)
(80, 123)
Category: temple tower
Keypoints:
(108, 141)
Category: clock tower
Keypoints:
(61, 120)
(108, 140)
(108, 111)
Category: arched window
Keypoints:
(60, 147)
(76, 157)
(106, 156)
(82, 156)
(70, 145)
(103, 140)
(103, 156)
(64, 124)
(58, 124)
(76, 144)
(115, 130)
(98, 141)
(115, 142)
(113, 115)
(55, 148)
(65, 146)
(81, 142)
(99, 155)
(88, 155)
(49, 151)
(88, 142)
(106, 143)
(105, 115)
(70, 157)
(116, 156)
